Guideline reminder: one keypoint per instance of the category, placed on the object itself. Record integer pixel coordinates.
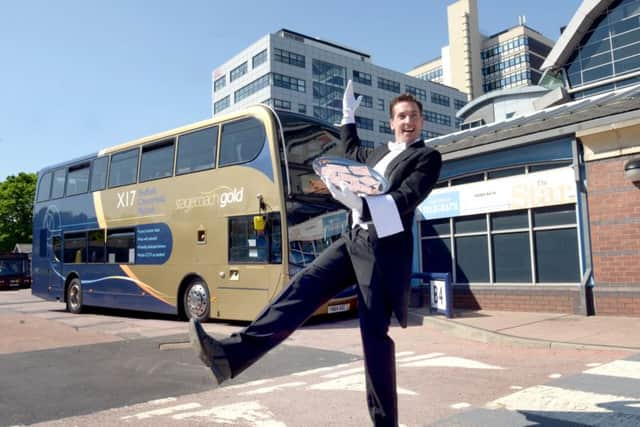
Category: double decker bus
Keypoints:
(208, 220)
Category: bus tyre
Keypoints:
(196, 300)
(74, 296)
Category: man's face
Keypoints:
(406, 121)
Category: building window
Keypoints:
(238, 72)
(221, 105)
(302, 108)
(440, 99)
(251, 88)
(381, 104)
(458, 103)
(328, 88)
(364, 123)
(290, 58)
(281, 104)
(366, 102)
(435, 75)
(390, 85)
(288, 82)
(419, 94)
(259, 59)
(219, 83)
(362, 77)
(439, 118)
(428, 134)
(327, 114)
(383, 127)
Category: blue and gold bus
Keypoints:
(209, 220)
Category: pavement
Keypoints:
(535, 329)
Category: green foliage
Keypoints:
(16, 208)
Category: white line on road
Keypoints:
(319, 370)
(163, 411)
(449, 362)
(618, 368)
(265, 390)
(351, 383)
(420, 357)
(246, 412)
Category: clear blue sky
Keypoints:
(80, 75)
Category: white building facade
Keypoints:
(294, 72)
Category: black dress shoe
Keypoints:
(209, 351)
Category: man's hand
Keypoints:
(345, 196)
(349, 105)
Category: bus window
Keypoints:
(241, 141)
(99, 173)
(246, 245)
(157, 161)
(96, 246)
(78, 179)
(197, 151)
(57, 190)
(57, 248)
(121, 246)
(75, 248)
(44, 188)
(124, 168)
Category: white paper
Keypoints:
(253, 253)
(251, 243)
(385, 215)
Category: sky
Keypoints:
(77, 76)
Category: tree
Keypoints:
(16, 209)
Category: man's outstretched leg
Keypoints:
(329, 274)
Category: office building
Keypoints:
(476, 64)
(292, 71)
(540, 211)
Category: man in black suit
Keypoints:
(377, 257)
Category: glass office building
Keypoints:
(295, 72)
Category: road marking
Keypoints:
(249, 384)
(345, 372)
(246, 412)
(163, 411)
(593, 365)
(319, 370)
(555, 399)
(351, 383)
(516, 387)
(618, 368)
(277, 387)
(162, 401)
(449, 362)
(404, 353)
(555, 375)
(420, 357)
(460, 405)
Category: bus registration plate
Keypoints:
(337, 308)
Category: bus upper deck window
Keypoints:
(241, 141)
(44, 187)
(197, 150)
(99, 174)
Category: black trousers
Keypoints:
(344, 262)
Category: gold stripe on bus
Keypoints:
(97, 203)
(148, 289)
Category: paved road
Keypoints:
(117, 368)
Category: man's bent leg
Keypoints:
(329, 274)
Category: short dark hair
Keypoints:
(405, 97)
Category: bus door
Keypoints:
(254, 273)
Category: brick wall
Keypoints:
(503, 298)
(614, 217)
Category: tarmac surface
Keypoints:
(536, 329)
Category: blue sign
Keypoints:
(153, 243)
(441, 205)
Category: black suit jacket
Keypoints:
(411, 175)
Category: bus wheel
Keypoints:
(74, 296)
(196, 300)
